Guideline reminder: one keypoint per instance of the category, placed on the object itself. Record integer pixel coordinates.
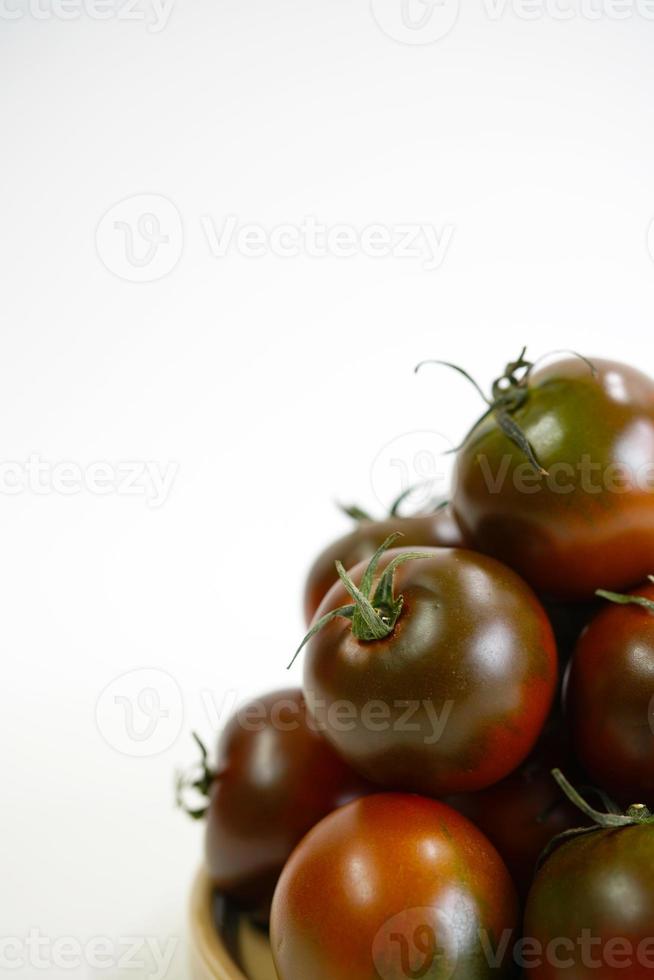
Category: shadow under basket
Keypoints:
(223, 944)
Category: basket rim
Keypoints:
(207, 945)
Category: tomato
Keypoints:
(275, 778)
(557, 480)
(610, 698)
(392, 887)
(521, 814)
(444, 689)
(590, 913)
(438, 529)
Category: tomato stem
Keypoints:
(635, 815)
(373, 612)
(628, 600)
(509, 392)
(199, 781)
(604, 820)
(362, 516)
(355, 512)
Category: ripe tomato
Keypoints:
(276, 777)
(521, 814)
(588, 522)
(590, 913)
(438, 529)
(392, 887)
(442, 690)
(610, 698)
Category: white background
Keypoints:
(271, 383)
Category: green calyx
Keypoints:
(361, 516)
(375, 609)
(612, 819)
(197, 782)
(509, 393)
(628, 600)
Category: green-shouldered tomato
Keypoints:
(590, 912)
(557, 479)
(443, 689)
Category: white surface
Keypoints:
(271, 383)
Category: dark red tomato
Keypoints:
(590, 913)
(587, 523)
(610, 699)
(429, 530)
(389, 888)
(276, 778)
(524, 812)
(455, 694)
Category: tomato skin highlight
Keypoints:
(274, 783)
(437, 530)
(566, 544)
(600, 886)
(390, 887)
(610, 699)
(456, 696)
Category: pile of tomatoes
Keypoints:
(459, 790)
